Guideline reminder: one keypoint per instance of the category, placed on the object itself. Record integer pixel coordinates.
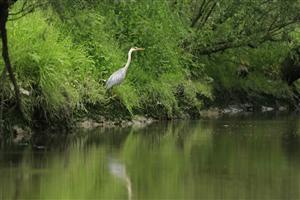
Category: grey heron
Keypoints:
(118, 76)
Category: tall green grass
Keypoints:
(108, 30)
(59, 75)
(63, 54)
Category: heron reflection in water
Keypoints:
(118, 169)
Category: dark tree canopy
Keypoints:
(221, 25)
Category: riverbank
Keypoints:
(22, 133)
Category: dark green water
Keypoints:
(233, 158)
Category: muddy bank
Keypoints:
(247, 108)
(22, 134)
(137, 121)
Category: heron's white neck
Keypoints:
(129, 59)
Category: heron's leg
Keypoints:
(111, 95)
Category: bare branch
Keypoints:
(199, 14)
(25, 11)
(208, 14)
(21, 10)
(252, 40)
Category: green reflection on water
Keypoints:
(235, 158)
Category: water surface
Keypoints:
(229, 158)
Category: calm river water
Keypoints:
(229, 158)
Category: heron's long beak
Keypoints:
(140, 49)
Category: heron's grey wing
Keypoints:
(116, 78)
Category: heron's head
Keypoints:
(137, 49)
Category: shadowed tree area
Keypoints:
(291, 66)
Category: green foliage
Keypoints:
(193, 96)
(150, 87)
(257, 84)
(59, 75)
(159, 100)
(220, 25)
(262, 84)
(63, 54)
(129, 97)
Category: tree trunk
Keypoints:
(2, 79)
(290, 71)
(290, 68)
(4, 6)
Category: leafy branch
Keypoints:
(242, 24)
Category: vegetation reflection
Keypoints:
(226, 158)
